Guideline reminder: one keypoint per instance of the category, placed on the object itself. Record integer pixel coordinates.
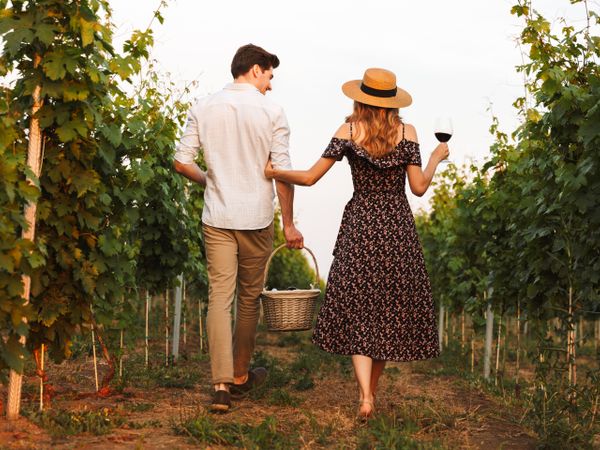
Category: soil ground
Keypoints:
(310, 402)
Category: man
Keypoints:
(239, 129)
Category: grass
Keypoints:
(184, 376)
(281, 397)
(305, 383)
(548, 412)
(310, 362)
(321, 432)
(290, 339)
(144, 424)
(204, 429)
(397, 429)
(140, 407)
(59, 422)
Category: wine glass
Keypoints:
(443, 131)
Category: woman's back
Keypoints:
(370, 173)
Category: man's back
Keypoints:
(238, 129)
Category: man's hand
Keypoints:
(293, 237)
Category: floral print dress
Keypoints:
(378, 298)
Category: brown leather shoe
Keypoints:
(256, 377)
(221, 401)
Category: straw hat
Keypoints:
(377, 88)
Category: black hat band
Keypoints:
(385, 93)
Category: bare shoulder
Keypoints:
(343, 132)
(410, 132)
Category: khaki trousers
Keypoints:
(235, 259)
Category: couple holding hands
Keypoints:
(378, 305)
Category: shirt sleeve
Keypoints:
(336, 149)
(189, 144)
(280, 154)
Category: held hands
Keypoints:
(269, 171)
(441, 152)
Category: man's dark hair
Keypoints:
(248, 55)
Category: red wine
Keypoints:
(443, 137)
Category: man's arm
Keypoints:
(280, 157)
(191, 172)
(285, 193)
(187, 151)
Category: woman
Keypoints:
(378, 304)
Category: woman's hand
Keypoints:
(269, 171)
(441, 152)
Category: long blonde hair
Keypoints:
(378, 130)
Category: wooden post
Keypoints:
(185, 313)
(121, 355)
(498, 344)
(462, 331)
(42, 379)
(200, 327)
(446, 328)
(596, 334)
(34, 162)
(489, 332)
(473, 351)
(518, 331)
(167, 327)
(146, 335)
(184, 331)
(506, 343)
(441, 327)
(177, 318)
(571, 342)
(95, 359)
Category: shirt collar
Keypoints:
(241, 87)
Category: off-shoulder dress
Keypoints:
(378, 299)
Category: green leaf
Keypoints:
(72, 130)
(7, 263)
(113, 133)
(51, 311)
(121, 67)
(54, 65)
(14, 287)
(46, 32)
(57, 63)
(36, 260)
(14, 41)
(87, 31)
(105, 199)
(75, 91)
(14, 353)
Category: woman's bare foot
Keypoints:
(366, 408)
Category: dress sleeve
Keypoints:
(412, 154)
(336, 149)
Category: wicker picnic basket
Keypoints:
(292, 309)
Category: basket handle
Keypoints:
(279, 248)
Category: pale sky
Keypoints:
(455, 58)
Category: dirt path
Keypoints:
(315, 409)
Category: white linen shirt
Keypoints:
(238, 129)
